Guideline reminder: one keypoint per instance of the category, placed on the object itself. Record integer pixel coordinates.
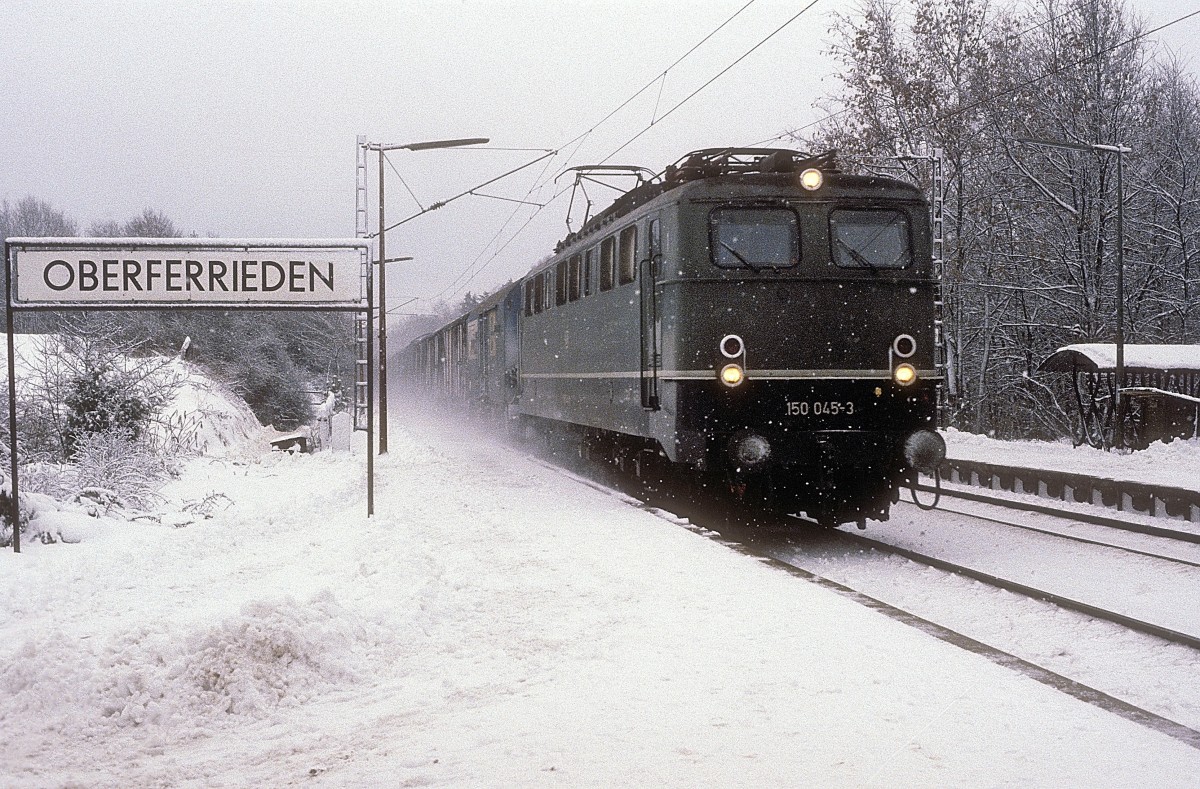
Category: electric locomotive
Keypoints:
(754, 318)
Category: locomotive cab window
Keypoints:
(754, 238)
(870, 238)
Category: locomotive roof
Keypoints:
(751, 166)
(779, 167)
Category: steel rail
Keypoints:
(1073, 537)
(1137, 625)
(1086, 517)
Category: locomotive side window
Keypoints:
(869, 238)
(539, 292)
(589, 265)
(560, 283)
(628, 265)
(492, 332)
(608, 263)
(755, 238)
(529, 298)
(654, 241)
(574, 270)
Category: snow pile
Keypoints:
(271, 654)
(50, 520)
(204, 417)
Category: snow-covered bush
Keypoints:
(107, 461)
(112, 461)
(82, 382)
(99, 430)
(100, 401)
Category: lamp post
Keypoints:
(1119, 150)
(381, 147)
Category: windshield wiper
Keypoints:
(738, 255)
(859, 257)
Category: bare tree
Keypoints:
(150, 224)
(33, 217)
(1031, 236)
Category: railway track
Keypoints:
(1062, 601)
(774, 543)
(1171, 538)
(1078, 514)
(738, 539)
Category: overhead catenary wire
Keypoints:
(660, 78)
(497, 235)
(713, 79)
(577, 141)
(472, 190)
(411, 194)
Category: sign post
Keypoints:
(192, 273)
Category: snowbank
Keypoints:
(205, 417)
(1176, 464)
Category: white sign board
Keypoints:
(195, 272)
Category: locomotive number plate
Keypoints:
(819, 407)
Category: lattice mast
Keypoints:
(361, 327)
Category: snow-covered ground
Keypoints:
(1176, 464)
(495, 624)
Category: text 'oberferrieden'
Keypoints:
(188, 276)
(52, 273)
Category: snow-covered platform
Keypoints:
(496, 624)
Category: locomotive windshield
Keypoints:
(755, 238)
(869, 238)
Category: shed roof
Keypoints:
(1096, 357)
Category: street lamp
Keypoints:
(381, 147)
(1119, 150)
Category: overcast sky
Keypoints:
(239, 119)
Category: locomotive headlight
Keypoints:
(811, 179)
(732, 375)
(925, 450)
(904, 374)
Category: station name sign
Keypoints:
(196, 272)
